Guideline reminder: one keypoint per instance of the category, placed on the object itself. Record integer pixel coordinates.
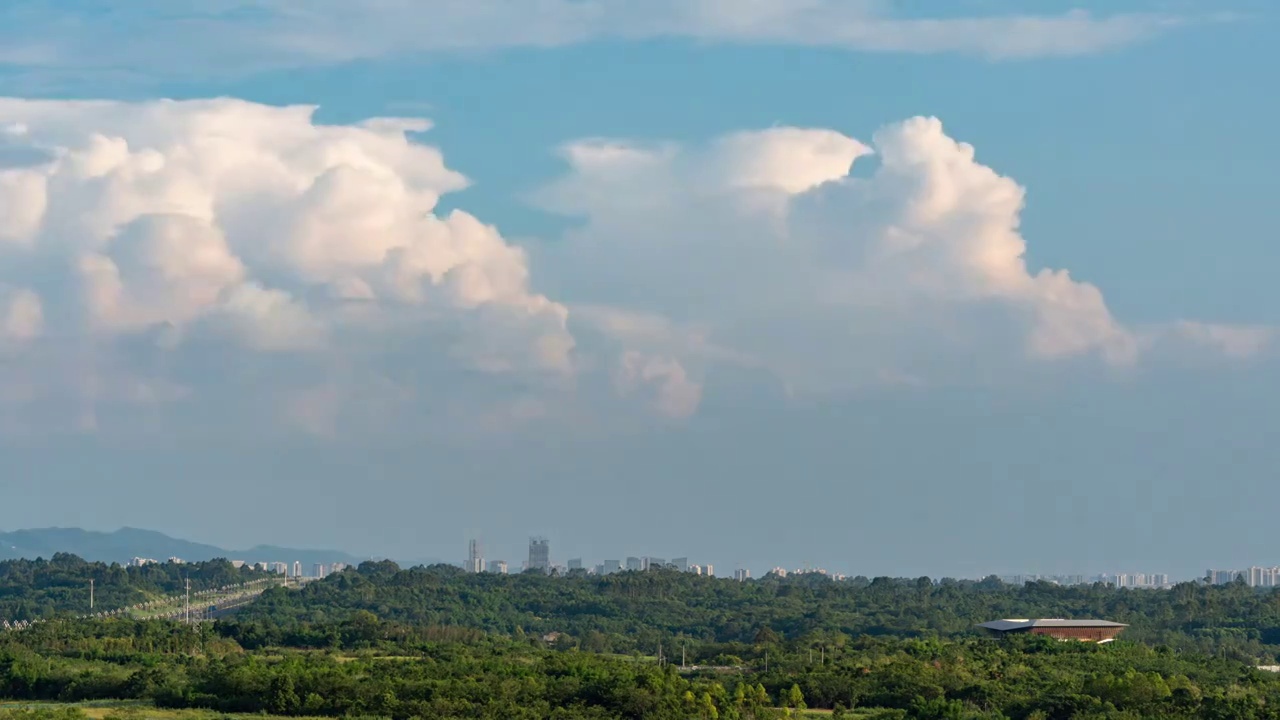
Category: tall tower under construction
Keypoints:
(539, 554)
(475, 558)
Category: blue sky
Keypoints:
(659, 335)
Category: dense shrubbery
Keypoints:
(31, 589)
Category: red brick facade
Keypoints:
(1086, 634)
(1082, 630)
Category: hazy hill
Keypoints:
(126, 543)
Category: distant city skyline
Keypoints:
(543, 548)
(1253, 576)
(540, 550)
(287, 569)
(1265, 575)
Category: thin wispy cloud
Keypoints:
(201, 38)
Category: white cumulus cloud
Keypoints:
(782, 256)
(21, 315)
(662, 379)
(243, 260)
(160, 227)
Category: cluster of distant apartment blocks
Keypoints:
(1256, 577)
(540, 560)
(1120, 580)
(1265, 577)
(318, 570)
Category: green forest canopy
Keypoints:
(376, 668)
(635, 611)
(32, 589)
(437, 643)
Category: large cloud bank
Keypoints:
(221, 222)
(226, 256)
(771, 245)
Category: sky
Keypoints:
(891, 288)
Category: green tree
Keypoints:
(707, 707)
(283, 699)
(795, 699)
(766, 636)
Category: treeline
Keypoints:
(33, 589)
(485, 676)
(635, 612)
(437, 643)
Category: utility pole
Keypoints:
(186, 608)
(90, 594)
(682, 656)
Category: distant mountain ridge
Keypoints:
(124, 544)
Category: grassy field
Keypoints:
(129, 711)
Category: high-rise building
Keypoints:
(539, 554)
(280, 568)
(654, 563)
(475, 558)
(318, 571)
(681, 564)
(1139, 580)
(498, 567)
(1226, 577)
(709, 570)
(575, 564)
(297, 568)
(610, 566)
(741, 574)
(1261, 577)
(634, 563)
